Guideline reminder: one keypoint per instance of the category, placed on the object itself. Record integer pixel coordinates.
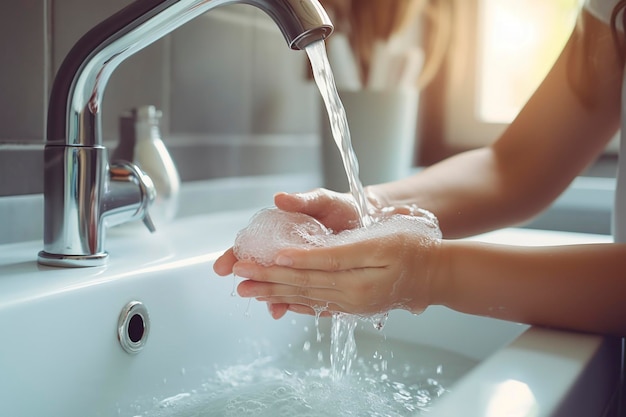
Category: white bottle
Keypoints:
(151, 155)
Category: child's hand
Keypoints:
(363, 278)
(277, 284)
(334, 210)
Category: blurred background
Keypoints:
(237, 101)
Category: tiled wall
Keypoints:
(226, 73)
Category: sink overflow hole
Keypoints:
(133, 327)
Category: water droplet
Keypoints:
(233, 293)
(295, 385)
(379, 320)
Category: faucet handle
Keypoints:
(147, 220)
(147, 190)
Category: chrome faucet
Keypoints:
(83, 192)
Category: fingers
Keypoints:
(285, 286)
(311, 202)
(302, 309)
(331, 259)
(277, 310)
(224, 264)
(285, 276)
(290, 202)
(335, 210)
(285, 293)
(302, 305)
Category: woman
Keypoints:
(564, 126)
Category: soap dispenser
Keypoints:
(140, 143)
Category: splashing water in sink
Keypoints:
(383, 383)
(304, 384)
(271, 230)
(343, 346)
(280, 228)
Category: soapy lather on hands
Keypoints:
(293, 261)
(562, 129)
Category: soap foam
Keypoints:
(271, 230)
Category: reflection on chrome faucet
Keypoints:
(83, 192)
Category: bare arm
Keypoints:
(578, 287)
(555, 136)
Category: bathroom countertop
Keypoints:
(542, 373)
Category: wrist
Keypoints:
(440, 272)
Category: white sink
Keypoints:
(60, 355)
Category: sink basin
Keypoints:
(60, 354)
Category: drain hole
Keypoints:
(135, 328)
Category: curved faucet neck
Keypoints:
(83, 192)
(74, 117)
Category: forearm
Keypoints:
(555, 136)
(467, 193)
(580, 287)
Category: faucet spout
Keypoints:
(78, 185)
(75, 100)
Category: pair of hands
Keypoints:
(365, 277)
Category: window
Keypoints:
(518, 42)
(502, 50)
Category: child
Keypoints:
(564, 126)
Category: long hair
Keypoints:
(619, 38)
(581, 68)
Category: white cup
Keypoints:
(383, 129)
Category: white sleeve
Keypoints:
(601, 9)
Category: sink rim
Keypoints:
(534, 358)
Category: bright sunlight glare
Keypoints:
(519, 41)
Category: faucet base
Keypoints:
(72, 261)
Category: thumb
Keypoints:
(311, 202)
(334, 210)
